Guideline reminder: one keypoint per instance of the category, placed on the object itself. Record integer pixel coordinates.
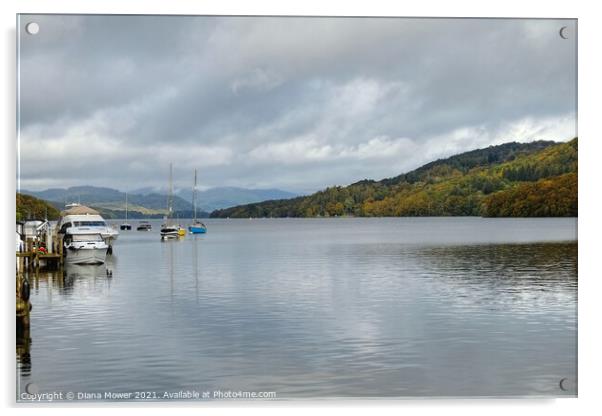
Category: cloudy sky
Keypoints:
(292, 103)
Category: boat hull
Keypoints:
(169, 236)
(193, 229)
(144, 227)
(170, 233)
(95, 255)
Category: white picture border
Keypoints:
(589, 185)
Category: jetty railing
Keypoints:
(42, 251)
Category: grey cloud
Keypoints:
(298, 103)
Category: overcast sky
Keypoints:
(292, 103)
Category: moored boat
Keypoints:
(168, 232)
(126, 226)
(144, 226)
(197, 227)
(168, 229)
(84, 248)
(76, 215)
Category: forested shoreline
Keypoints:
(536, 179)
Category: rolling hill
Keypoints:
(111, 202)
(151, 203)
(513, 179)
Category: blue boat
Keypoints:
(197, 227)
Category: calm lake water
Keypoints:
(312, 308)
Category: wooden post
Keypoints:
(29, 245)
(48, 240)
(60, 244)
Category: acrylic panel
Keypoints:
(272, 208)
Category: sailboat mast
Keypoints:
(194, 196)
(170, 196)
(126, 207)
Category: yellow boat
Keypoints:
(168, 230)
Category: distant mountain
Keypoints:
(83, 194)
(147, 190)
(111, 202)
(224, 197)
(152, 202)
(512, 179)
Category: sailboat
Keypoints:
(126, 225)
(197, 227)
(169, 230)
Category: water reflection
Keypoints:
(65, 280)
(519, 275)
(535, 262)
(80, 281)
(181, 250)
(195, 264)
(340, 308)
(23, 348)
(89, 274)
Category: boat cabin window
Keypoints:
(89, 223)
(86, 237)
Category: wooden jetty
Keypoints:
(23, 305)
(36, 253)
(44, 250)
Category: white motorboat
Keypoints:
(87, 219)
(81, 247)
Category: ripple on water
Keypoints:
(318, 308)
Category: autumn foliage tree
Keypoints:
(513, 179)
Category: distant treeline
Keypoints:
(513, 179)
(537, 179)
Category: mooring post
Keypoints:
(29, 252)
(61, 248)
(48, 239)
